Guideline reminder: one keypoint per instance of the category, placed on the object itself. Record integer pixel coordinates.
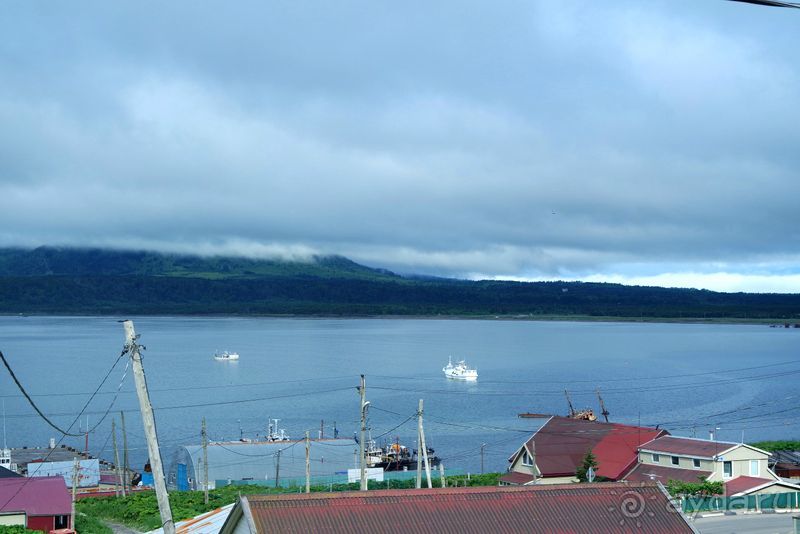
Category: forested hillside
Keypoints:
(70, 281)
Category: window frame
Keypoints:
(727, 473)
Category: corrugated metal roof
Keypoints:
(603, 507)
(36, 496)
(744, 484)
(701, 448)
(561, 444)
(207, 523)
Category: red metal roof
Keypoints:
(663, 474)
(602, 507)
(561, 444)
(35, 496)
(742, 484)
(702, 448)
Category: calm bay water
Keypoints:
(687, 378)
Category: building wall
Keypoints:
(740, 462)
(775, 488)
(45, 523)
(684, 462)
(557, 480)
(7, 519)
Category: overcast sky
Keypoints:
(646, 142)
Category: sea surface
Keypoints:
(742, 380)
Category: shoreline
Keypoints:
(772, 322)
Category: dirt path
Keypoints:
(120, 529)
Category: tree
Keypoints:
(703, 488)
(589, 461)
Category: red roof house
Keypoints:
(568, 508)
(45, 500)
(558, 448)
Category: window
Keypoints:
(727, 469)
(696, 463)
(526, 459)
(754, 470)
(656, 458)
(676, 460)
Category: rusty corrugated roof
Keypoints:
(602, 507)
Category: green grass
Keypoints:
(85, 524)
(140, 511)
(782, 445)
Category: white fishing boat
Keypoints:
(459, 371)
(226, 356)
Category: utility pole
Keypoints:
(418, 485)
(149, 430)
(75, 468)
(308, 463)
(205, 461)
(364, 406)
(116, 458)
(483, 448)
(441, 474)
(124, 456)
(278, 469)
(424, 447)
(86, 447)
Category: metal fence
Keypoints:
(770, 501)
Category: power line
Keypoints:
(41, 414)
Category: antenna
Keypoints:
(602, 405)
(569, 402)
(5, 445)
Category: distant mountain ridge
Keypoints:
(51, 280)
(64, 261)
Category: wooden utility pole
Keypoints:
(116, 458)
(205, 462)
(308, 463)
(424, 447)
(418, 485)
(149, 430)
(364, 405)
(75, 468)
(125, 470)
(278, 469)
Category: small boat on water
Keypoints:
(459, 371)
(226, 356)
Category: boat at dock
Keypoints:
(459, 371)
(226, 356)
(395, 457)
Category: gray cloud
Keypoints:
(524, 139)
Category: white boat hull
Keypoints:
(459, 371)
